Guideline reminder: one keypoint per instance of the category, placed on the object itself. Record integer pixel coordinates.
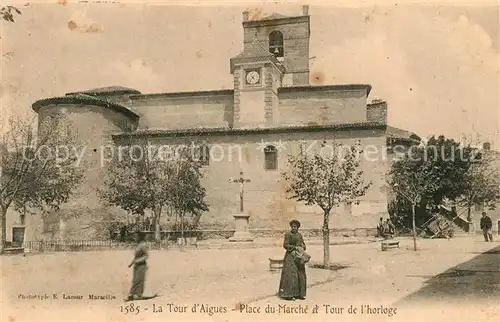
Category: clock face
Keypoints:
(253, 77)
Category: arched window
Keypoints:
(270, 158)
(276, 43)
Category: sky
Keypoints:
(437, 66)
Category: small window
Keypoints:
(271, 158)
(276, 44)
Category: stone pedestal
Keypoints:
(241, 233)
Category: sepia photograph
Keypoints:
(249, 161)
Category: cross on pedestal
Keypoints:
(241, 180)
(241, 232)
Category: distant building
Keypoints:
(250, 128)
(493, 158)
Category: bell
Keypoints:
(276, 52)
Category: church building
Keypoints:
(270, 111)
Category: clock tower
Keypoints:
(257, 76)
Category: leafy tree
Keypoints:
(452, 162)
(146, 178)
(431, 173)
(481, 185)
(7, 13)
(400, 212)
(444, 163)
(325, 180)
(411, 178)
(38, 172)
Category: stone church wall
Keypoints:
(265, 198)
(186, 110)
(316, 108)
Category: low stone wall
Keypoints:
(204, 234)
(273, 233)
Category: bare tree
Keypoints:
(326, 180)
(39, 171)
(147, 178)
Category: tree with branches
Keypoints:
(481, 184)
(453, 161)
(411, 180)
(325, 180)
(430, 173)
(38, 171)
(147, 178)
(427, 175)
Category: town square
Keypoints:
(253, 162)
(434, 278)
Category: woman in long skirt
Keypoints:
(140, 269)
(293, 281)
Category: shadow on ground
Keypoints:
(474, 281)
(313, 266)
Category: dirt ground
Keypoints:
(457, 278)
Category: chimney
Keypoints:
(305, 10)
(245, 15)
(376, 111)
(486, 146)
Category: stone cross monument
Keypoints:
(241, 233)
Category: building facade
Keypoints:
(271, 111)
(492, 158)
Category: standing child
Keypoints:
(140, 269)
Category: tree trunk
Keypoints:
(157, 214)
(469, 214)
(182, 232)
(414, 229)
(326, 240)
(4, 230)
(196, 220)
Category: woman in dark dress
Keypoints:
(293, 281)
(140, 269)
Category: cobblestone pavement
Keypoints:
(228, 278)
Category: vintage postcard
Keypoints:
(249, 161)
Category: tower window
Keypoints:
(276, 43)
(270, 158)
